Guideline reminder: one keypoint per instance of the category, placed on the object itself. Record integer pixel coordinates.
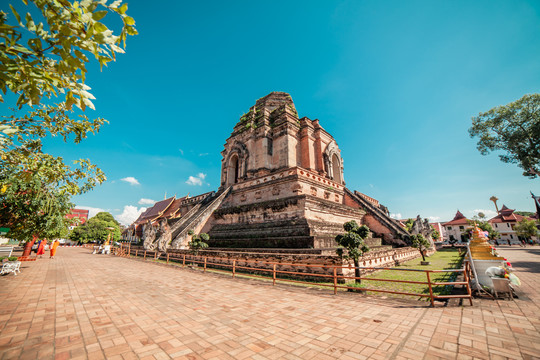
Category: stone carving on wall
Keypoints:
(296, 188)
(275, 191)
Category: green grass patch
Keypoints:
(442, 259)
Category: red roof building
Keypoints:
(454, 228)
(79, 214)
(505, 222)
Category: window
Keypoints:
(511, 236)
(507, 225)
(449, 228)
(461, 228)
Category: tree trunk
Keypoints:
(28, 247)
(423, 256)
(357, 272)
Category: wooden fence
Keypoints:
(334, 277)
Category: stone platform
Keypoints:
(83, 306)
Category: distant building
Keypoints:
(455, 228)
(80, 215)
(505, 223)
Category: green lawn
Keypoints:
(442, 259)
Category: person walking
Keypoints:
(54, 245)
(41, 248)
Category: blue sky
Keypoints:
(395, 82)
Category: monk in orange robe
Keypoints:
(54, 245)
(41, 248)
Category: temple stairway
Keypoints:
(196, 217)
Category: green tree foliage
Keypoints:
(525, 213)
(513, 128)
(435, 234)
(526, 228)
(31, 206)
(198, 241)
(352, 245)
(421, 243)
(97, 229)
(44, 56)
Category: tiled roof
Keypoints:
(172, 210)
(459, 219)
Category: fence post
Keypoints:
(233, 268)
(155, 255)
(430, 289)
(335, 280)
(167, 258)
(144, 255)
(184, 261)
(274, 276)
(466, 278)
(204, 264)
(136, 252)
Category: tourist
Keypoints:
(54, 245)
(41, 248)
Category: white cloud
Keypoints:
(434, 218)
(144, 201)
(131, 180)
(203, 154)
(129, 215)
(396, 216)
(181, 151)
(92, 211)
(198, 180)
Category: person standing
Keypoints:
(41, 248)
(54, 245)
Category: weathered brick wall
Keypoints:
(293, 261)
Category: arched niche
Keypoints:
(336, 168)
(233, 168)
(333, 163)
(234, 164)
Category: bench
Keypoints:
(6, 251)
(11, 266)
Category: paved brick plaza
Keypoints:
(97, 306)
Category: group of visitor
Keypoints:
(41, 247)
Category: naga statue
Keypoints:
(165, 235)
(149, 236)
(424, 228)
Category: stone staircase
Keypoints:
(399, 231)
(196, 217)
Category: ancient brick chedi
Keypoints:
(282, 186)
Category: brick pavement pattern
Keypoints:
(84, 306)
